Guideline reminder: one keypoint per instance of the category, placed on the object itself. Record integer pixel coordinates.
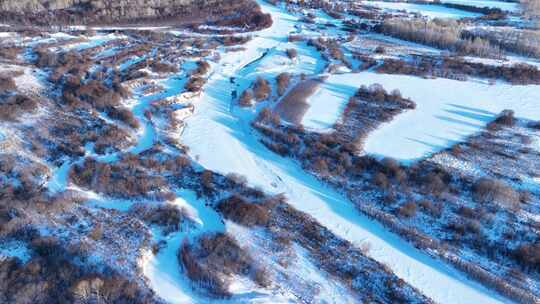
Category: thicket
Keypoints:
(214, 259)
(14, 106)
(6, 84)
(443, 34)
(459, 69)
(127, 178)
(282, 80)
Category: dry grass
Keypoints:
(294, 106)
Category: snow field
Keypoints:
(162, 270)
(222, 140)
(428, 10)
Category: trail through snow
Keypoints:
(220, 137)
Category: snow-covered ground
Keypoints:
(14, 249)
(326, 105)
(220, 137)
(428, 10)
(447, 110)
(162, 270)
(446, 113)
(94, 41)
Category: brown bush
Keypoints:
(166, 216)
(435, 210)
(433, 184)
(506, 118)
(246, 99)
(10, 53)
(381, 180)
(459, 69)
(207, 181)
(16, 105)
(239, 210)
(380, 49)
(295, 38)
(46, 58)
(528, 256)
(6, 84)
(162, 67)
(376, 93)
(291, 53)
(261, 89)
(195, 84)
(489, 191)
(282, 81)
(55, 272)
(202, 68)
(215, 258)
(111, 138)
(123, 115)
(126, 178)
(440, 34)
(407, 210)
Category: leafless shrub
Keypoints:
(214, 258)
(16, 105)
(6, 84)
(376, 93)
(243, 212)
(46, 58)
(282, 80)
(10, 53)
(433, 209)
(459, 69)
(234, 40)
(261, 89)
(166, 216)
(195, 84)
(407, 210)
(489, 191)
(162, 67)
(207, 181)
(438, 34)
(380, 49)
(506, 118)
(124, 115)
(528, 255)
(266, 116)
(433, 183)
(246, 99)
(295, 38)
(381, 180)
(125, 178)
(291, 53)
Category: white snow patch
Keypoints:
(429, 10)
(447, 110)
(14, 249)
(58, 181)
(326, 104)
